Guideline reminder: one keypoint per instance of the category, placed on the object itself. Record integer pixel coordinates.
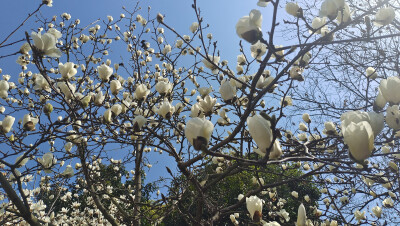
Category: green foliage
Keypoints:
(225, 193)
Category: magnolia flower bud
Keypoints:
(294, 9)
(48, 108)
(254, 206)
(301, 216)
(359, 137)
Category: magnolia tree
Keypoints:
(313, 100)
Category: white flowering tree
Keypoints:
(310, 108)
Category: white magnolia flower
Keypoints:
(306, 118)
(167, 49)
(204, 91)
(104, 72)
(115, 86)
(254, 206)
(227, 90)
(377, 211)
(47, 161)
(215, 61)
(67, 89)
(393, 117)
(99, 98)
(330, 8)
(138, 122)
(68, 172)
(46, 44)
(141, 92)
(303, 127)
(41, 83)
(371, 73)
(384, 16)
(164, 87)
(29, 122)
(330, 128)
(198, 132)
(359, 137)
(261, 132)
(249, 27)
(4, 87)
(165, 109)
(318, 24)
(194, 27)
(296, 73)
(263, 3)
(344, 16)
(108, 116)
(293, 9)
(67, 70)
(380, 101)
(258, 49)
(359, 215)
(301, 216)
(207, 104)
(390, 89)
(7, 123)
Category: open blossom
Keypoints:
(104, 72)
(254, 206)
(198, 132)
(67, 70)
(359, 215)
(29, 122)
(165, 109)
(68, 172)
(258, 50)
(138, 122)
(41, 83)
(330, 8)
(384, 16)
(163, 86)
(249, 27)
(393, 117)
(47, 161)
(7, 123)
(318, 24)
(213, 64)
(141, 92)
(377, 211)
(390, 89)
(46, 44)
(67, 89)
